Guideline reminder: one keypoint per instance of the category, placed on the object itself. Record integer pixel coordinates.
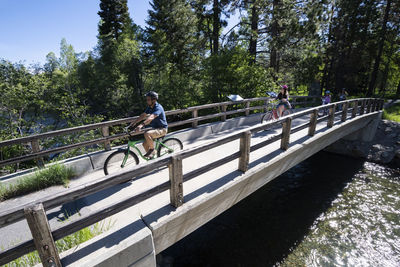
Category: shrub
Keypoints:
(56, 174)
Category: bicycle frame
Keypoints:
(132, 144)
(273, 109)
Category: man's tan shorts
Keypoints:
(157, 133)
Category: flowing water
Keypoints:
(327, 211)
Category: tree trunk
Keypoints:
(216, 27)
(398, 90)
(254, 32)
(326, 73)
(274, 34)
(386, 71)
(371, 87)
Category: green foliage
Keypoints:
(56, 174)
(233, 74)
(66, 243)
(392, 113)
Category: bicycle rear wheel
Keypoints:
(169, 146)
(116, 161)
(286, 112)
(267, 117)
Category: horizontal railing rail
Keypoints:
(104, 127)
(176, 177)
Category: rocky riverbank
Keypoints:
(383, 149)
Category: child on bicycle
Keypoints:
(326, 99)
(283, 97)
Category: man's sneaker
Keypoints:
(149, 154)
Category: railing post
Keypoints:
(35, 149)
(105, 131)
(382, 103)
(195, 114)
(362, 109)
(313, 122)
(244, 151)
(373, 105)
(247, 112)
(344, 111)
(286, 127)
(265, 105)
(223, 117)
(42, 237)
(369, 105)
(355, 108)
(331, 116)
(376, 104)
(176, 180)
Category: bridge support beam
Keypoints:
(357, 144)
(128, 243)
(367, 133)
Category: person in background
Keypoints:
(283, 97)
(343, 95)
(326, 99)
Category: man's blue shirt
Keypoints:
(160, 121)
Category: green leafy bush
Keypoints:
(56, 174)
(392, 113)
(66, 243)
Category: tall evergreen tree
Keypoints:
(173, 50)
(118, 71)
(114, 23)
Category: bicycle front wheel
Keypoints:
(120, 160)
(169, 146)
(267, 117)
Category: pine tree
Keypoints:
(173, 48)
(118, 70)
(114, 23)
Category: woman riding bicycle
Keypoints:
(283, 97)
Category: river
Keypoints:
(329, 210)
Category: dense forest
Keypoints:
(187, 53)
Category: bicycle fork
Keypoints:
(125, 157)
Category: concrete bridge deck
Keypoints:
(149, 227)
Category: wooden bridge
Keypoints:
(158, 203)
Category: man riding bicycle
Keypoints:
(153, 117)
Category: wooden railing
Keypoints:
(104, 127)
(44, 237)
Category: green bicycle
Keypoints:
(125, 157)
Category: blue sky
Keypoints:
(30, 29)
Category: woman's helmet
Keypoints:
(327, 92)
(152, 94)
(284, 87)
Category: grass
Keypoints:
(392, 113)
(66, 243)
(56, 174)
